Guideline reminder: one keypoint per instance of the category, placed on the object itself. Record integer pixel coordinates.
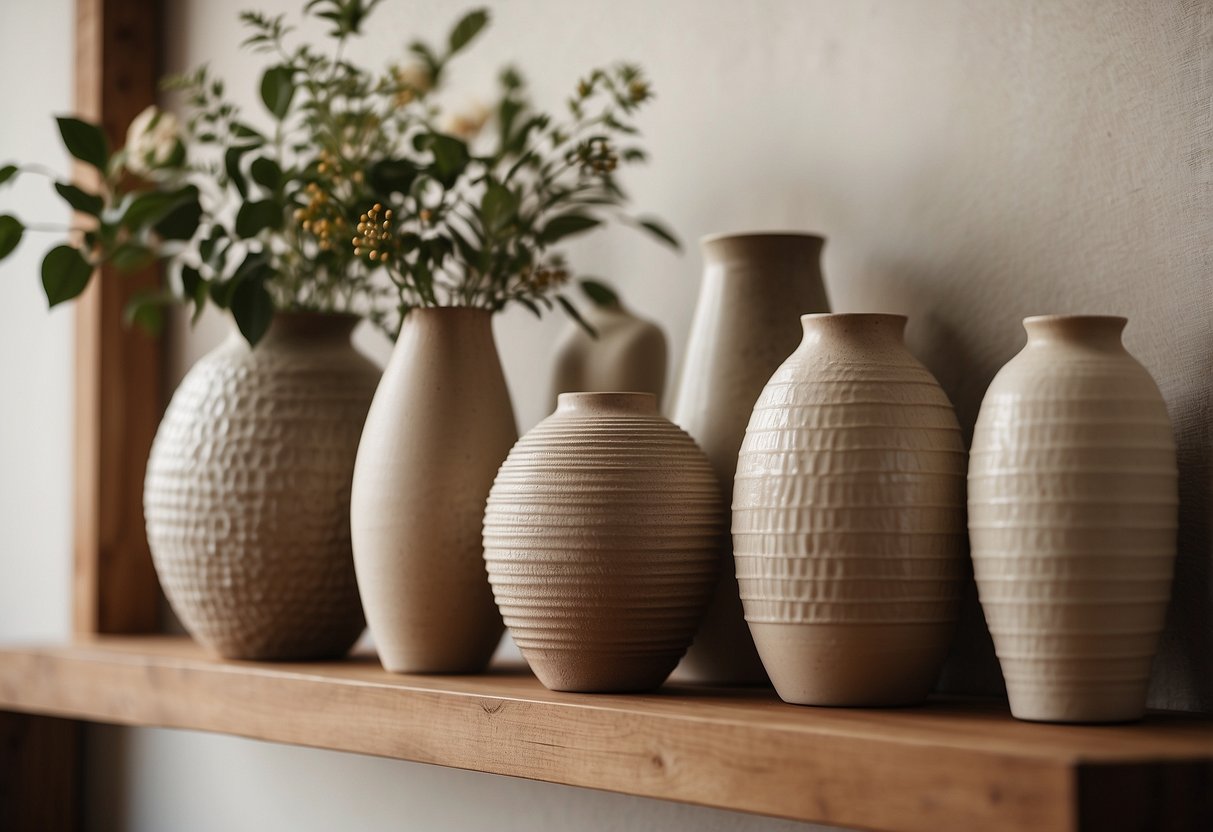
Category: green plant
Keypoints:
(249, 220)
(466, 226)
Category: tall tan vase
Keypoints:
(1072, 516)
(248, 488)
(601, 540)
(439, 427)
(627, 353)
(747, 321)
(848, 518)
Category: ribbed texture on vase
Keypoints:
(848, 519)
(247, 494)
(600, 541)
(1072, 515)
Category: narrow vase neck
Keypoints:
(297, 328)
(1102, 332)
(613, 404)
(866, 328)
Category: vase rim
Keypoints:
(1092, 330)
(1077, 319)
(717, 238)
(450, 310)
(857, 317)
(291, 324)
(617, 402)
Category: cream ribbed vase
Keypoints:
(247, 493)
(1072, 515)
(848, 518)
(600, 538)
(439, 427)
(747, 321)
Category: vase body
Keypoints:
(747, 321)
(628, 355)
(247, 491)
(439, 427)
(848, 518)
(1072, 516)
(601, 540)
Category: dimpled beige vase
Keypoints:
(247, 491)
(1072, 516)
(439, 427)
(848, 518)
(747, 321)
(600, 539)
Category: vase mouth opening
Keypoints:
(754, 244)
(1085, 328)
(866, 324)
(614, 402)
(308, 324)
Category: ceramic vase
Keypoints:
(848, 518)
(747, 321)
(439, 427)
(247, 491)
(627, 353)
(1072, 516)
(601, 539)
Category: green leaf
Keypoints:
(80, 200)
(84, 141)
(231, 164)
(566, 225)
(266, 173)
(255, 217)
(277, 90)
(195, 289)
(572, 312)
(392, 176)
(11, 230)
(7, 172)
(599, 293)
(148, 208)
(467, 28)
(498, 207)
(253, 309)
(65, 273)
(130, 257)
(145, 310)
(659, 231)
(451, 158)
(182, 220)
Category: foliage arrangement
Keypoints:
(357, 172)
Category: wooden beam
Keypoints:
(40, 783)
(118, 371)
(948, 766)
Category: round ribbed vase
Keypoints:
(600, 538)
(247, 491)
(1072, 515)
(439, 428)
(747, 321)
(848, 518)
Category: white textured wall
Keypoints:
(35, 348)
(972, 162)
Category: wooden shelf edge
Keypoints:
(949, 765)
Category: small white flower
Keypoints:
(151, 140)
(415, 79)
(466, 123)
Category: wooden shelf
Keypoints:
(948, 765)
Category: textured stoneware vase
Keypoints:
(1072, 517)
(601, 540)
(248, 490)
(747, 321)
(848, 518)
(627, 353)
(439, 427)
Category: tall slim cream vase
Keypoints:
(848, 518)
(439, 427)
(1072, 516)
(747, 321)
